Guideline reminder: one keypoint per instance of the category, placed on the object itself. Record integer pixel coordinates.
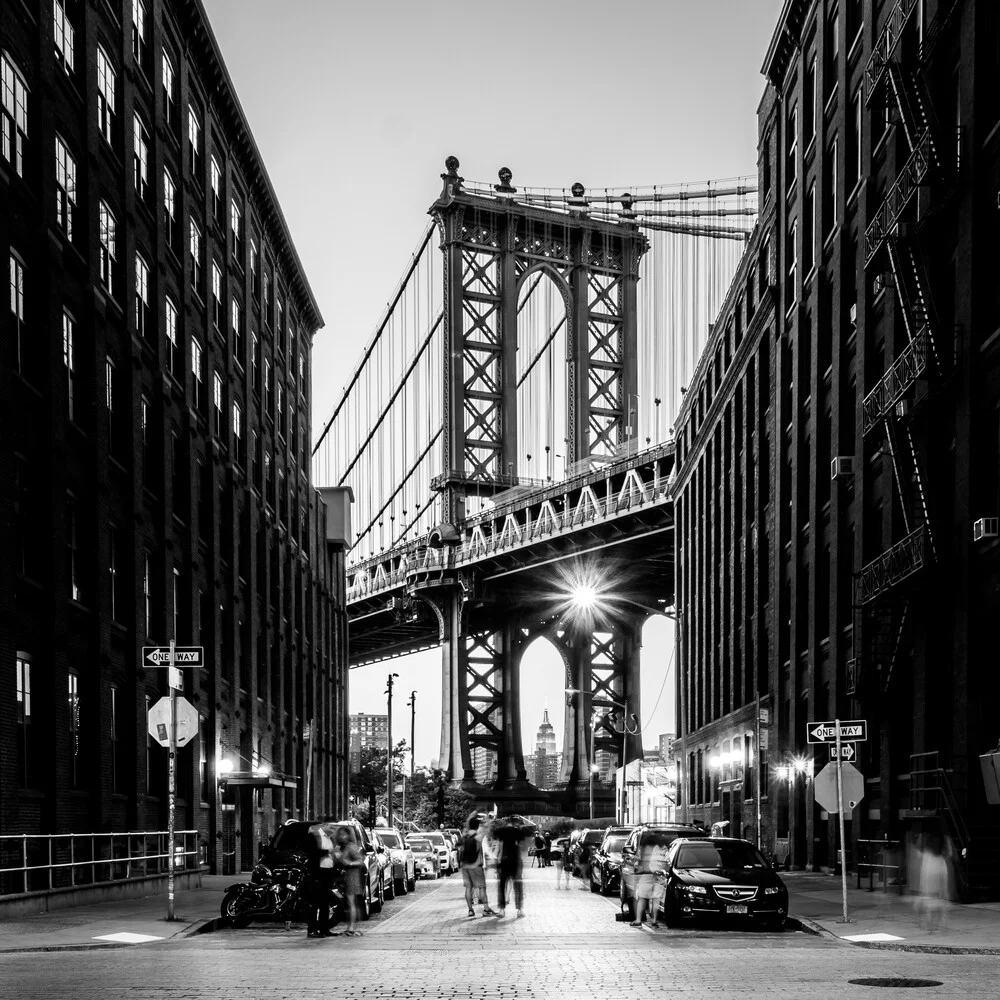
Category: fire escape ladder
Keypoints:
(897, 456)
(934, 31)
(885, 45)
(896, 643)
(921, 307)
(911, 318)
(918, 493)
(912, 110)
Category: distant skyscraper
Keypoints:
(367, 731)
(546, 738)
(542, 767)
(667, 748)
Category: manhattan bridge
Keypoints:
(507, 436)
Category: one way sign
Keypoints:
(825, 732)
(184, 656)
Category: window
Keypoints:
(238, 434)
(832, 50)
(69, 361)
(72, 553)
(146, 434)
(268, 391)
(170, 327)
(268, 478)
(279, 323)
(143, 327)
(216, 295)
(170, 228)
(809, 97)
(194, 145)
(255, 362)
(17, 312)
(791, 262)
(791, 146)
(218, 405)
(140, 36)
(302, 372)
(64, 36)
(140, 159)
(147, 593)
(809, 231)
(178, 474)
(255, 457)
(236, 230)
(175, 603)
(194, 242)
(116, 763)
(169, 92)
(266, 303)
(110, 394)
(855, 19)
(197, 375)
(22, 683)
(65, 188)
(113, 583)
(236, 318)
(106, 86)
(854, 143)
(216, 180)
(830, 192)
(108, 231)
(281, 407)
(14, 116)
(73, 697)
(254, 269)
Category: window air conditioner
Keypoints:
(854, 314)
(852, 676)
(985, 527)
(902, 409)
(842, 467)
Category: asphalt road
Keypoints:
(424, 945)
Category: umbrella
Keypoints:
(522, 826)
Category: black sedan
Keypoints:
(722, 877)
(606, 861)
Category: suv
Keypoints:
(581, 851)
(445, 849)
(606, 861)
(660, 835)
(404, 866)
(293, 837)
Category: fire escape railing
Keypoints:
(892, 567)
(885, 45)
(897, 381)
(898, 196)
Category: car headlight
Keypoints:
(696, 890)
(771, 890)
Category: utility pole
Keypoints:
(412, 703)
(173, 682)
(388, 763)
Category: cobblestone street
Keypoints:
(424, 945)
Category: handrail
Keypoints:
(902, 373)
(64, 860)
(898, 196)
(885, 45)
(893, 566)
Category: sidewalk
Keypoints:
(889, 920)
(117, 923)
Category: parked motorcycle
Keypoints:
(279, 892)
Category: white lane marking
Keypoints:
(872, 937)
(127, 937)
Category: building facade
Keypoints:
(367, 731)
(154, 465)
(875, 457)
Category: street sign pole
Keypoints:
(840, 820)
(757, 769)
(171, 786)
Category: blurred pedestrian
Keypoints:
(538, 851)
(510, 869)
(473, 871)
(547, 856)
(320, 887)
(649, 891)
(564, 867)
(934, 887)
(349, 858)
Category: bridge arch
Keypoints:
(542, 680)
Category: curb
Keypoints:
(812, 927)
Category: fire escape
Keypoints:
(892, 252)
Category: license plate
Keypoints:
(737, 908)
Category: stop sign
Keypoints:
(826, 787)
(158, 721)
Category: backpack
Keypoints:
(470, 849)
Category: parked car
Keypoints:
(404, 866)
(293, 836)
(425, 855)
(581, 851)
(446, 852)
(606, 861)
(647, 835)
(559, 846)
(722, 877)
(384, 866)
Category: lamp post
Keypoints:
(412, 705)
(388, 755)
(593, 771)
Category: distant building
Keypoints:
(542, 766)
(666, 748)
(367, 731)
(484, 764)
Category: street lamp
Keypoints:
(593, 770)
(388, 762)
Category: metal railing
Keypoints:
(902, 374)
(893, 566)
(885, 45)
(43, 862)
(879, 856)
(899, 195)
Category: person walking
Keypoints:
(564, 867)
(510, 869)
(547, 856)
(934, 888)
(321, 884)
(648, 891)
(349, 857)
(472, 864)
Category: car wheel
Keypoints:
(670, 915)
(378, 900)
(627, 905)
(365, 901)
(594, 887)
(390, 889)
(399, 887)
(411, 883)
(604, 885)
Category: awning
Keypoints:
(258, 780)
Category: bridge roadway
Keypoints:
(617, 520)
(567, 947)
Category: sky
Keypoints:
(355, 106)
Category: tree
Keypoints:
(438, 802)
(369, 781)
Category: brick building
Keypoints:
(367, 731)
(873, 449)
(154, 460)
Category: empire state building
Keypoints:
(543, 765)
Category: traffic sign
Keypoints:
(826, 732)
(184, 656)
(848, 751)
(158, 721)
(825, 787)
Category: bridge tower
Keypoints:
(492, 245)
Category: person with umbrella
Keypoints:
(509, 832)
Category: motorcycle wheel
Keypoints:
(239, 906)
